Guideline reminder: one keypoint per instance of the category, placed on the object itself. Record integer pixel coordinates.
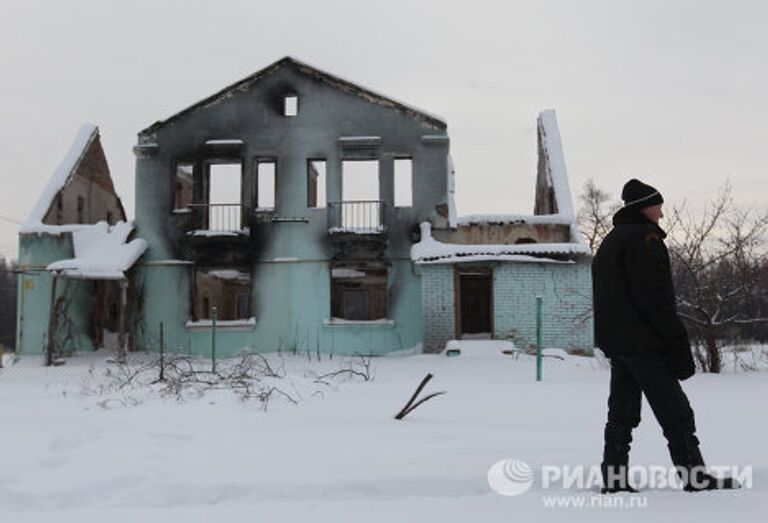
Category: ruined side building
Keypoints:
(299, 211)
(74, 258)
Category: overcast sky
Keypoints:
(673, 92)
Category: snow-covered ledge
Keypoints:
(429, 250)
(359, 323)
(230, 325)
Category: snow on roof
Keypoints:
(485, 219)
(224, 141)
(554, 162)
(59, 180)
(467, 258)
(429, 250)
(209, 233)
(358, 138)
(101, 252)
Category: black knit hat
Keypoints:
(638, 194)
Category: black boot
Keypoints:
(693, 472)
(616, 479)
(698, 480)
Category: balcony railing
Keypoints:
(219, 217)
(365, 216)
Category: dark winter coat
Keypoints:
(634, 299)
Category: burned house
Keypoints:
(288, 202)
(321, 242)
(297, 211)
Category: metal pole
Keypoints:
(538, 338)
(51, 321)
(213, 339)
(122, 338)
(23, 280)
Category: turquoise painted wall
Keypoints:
(161, 295)
(293, 313)
(36, 251)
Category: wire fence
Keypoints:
(130, 378)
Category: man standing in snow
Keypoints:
(637, 327)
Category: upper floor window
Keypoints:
(183, 185)
(290, 105)
(361, 208)
(225, 196)
(403, 182)
(80, 209)
(315, 183)
(266, 183)
(360, 180)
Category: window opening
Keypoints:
(316, 183)
(224, 196)
(359, 292)
(361, 206)
(183, 185)
(403, 182)
(291, 105)
(266, 179)
(227, 289)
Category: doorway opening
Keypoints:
(474, 302)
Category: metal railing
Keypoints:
(364, 216)
(219, 216)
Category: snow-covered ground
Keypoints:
(73, 449)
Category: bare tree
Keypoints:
(717, 261)
(594, 215)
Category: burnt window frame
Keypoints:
(174, 176)
(310, 161)
(258, 160)
(290, 96)
(206, 299)
(224, 159)
(401, 157)
(372, 158)
(337, 290)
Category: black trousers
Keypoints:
(631, 377)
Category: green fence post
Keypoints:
(538, 338)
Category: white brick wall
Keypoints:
(566, 312)
(437, 304)
(566, 292)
